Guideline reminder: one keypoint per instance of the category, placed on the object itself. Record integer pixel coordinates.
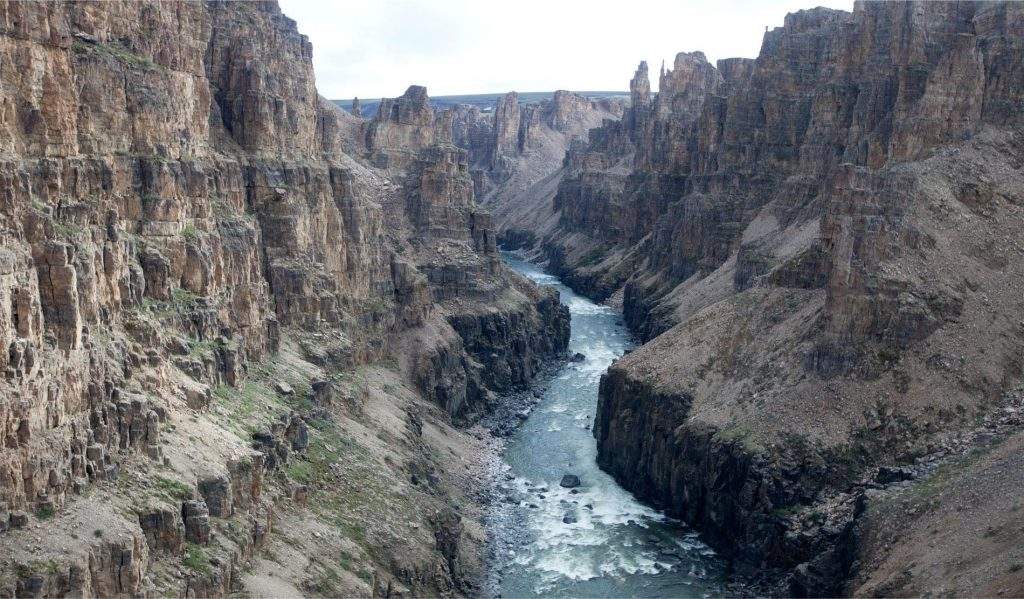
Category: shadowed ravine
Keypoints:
(596, 540)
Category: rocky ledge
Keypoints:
(817, 250)
(239, 325)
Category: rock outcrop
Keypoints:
(821, 247)
(516, 155)
(181, 209)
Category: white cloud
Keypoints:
(371, 49)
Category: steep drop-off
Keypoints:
(237, 323)
(516, 156)
(822, 248)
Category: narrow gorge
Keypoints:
(757, 332)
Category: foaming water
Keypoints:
(596, 540)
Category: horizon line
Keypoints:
(582, 91)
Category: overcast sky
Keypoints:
(375, 48)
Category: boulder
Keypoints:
(18, 519)
(298, 434)
(196, 517)
(887, 475)
(323, 392)
(216, 491)
(164, 530)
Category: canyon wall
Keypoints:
(516, 156)
(821, 248)
(206, 267)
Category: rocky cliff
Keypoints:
(238, 323)
(516, 156)
(821, 247)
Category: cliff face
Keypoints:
(820, 246)
(516, 156)
(186, 222)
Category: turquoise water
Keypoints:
(597, 540)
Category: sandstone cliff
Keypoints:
(238, 323)
(821, 247)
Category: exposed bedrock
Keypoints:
(498, 350)
(516, 155)
(180, 207)
(739, 496)
(818, 247)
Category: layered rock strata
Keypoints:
(821, 247)
(184, 218)
(516, 156)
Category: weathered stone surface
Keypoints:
(515, 156)
(108, 568)
(18, 519)
(447, 534)
(245, 477)
(164, 530)
(323, 392)
(115, 206)
(178, 205)
(298, 434)
(196, 518)
(217, 494)
(791, 235)
(404, 126)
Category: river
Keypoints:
(596, 540)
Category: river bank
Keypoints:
(594, 539)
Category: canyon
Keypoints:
(819, 249)
(255, 343)
(235, 317)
